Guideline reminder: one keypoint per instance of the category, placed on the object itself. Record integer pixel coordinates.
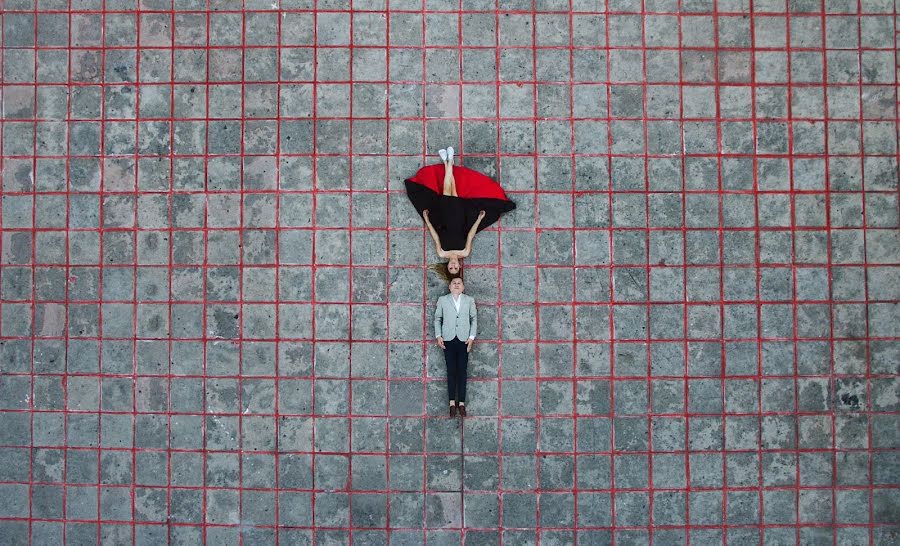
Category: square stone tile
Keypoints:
(316, 340)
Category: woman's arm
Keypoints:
(471, 236)
(437, 240)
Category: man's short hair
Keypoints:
(454, 277)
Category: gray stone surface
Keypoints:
(215, 320)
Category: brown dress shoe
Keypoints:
(462, 410)
(453, 411)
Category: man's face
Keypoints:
(456, 286)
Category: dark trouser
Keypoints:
(457, 360)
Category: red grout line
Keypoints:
(437, 11)
(896, 49)
(313, 260)
(427, 336)
(3, 159)
(720, 205)
(64, 379)
(661, 83)
(486, 155)
(484, 267)
(205, 282)
(350, 343)
(689, 488)
(498, 104)
(611, 285)
(576, 488)
(480, 154)
(242, 308)
(33, 309)
(462, 152)
(538, 424)
(775, 229)
(821, 525)
(387, 268)
(757, 276)
(134, 238)
(512, 380)
(277, 230)
(445, 46)
(649, 304)
(427, 10)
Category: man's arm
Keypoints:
(438, 317)
(473, 324)
(473, 319)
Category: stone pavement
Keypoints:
(215, 312)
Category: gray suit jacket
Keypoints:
(450, 324)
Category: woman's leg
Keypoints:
(452, 178)
(449, 182)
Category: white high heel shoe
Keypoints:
(450, 154)
(443, 154)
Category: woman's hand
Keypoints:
(425, 214)
(481, 215)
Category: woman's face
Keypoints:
(453, 266)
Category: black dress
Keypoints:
(453, 217)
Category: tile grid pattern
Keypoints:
(84, 325)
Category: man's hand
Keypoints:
(440, 342)
(469, 345)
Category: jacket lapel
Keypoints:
(451, 309)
